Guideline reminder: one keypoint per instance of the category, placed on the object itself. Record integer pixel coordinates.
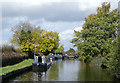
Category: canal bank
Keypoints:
(67, 70)
(12, 70)
(22, 67)
(16, 72)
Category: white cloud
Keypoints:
(6, 30)
(66, 36)
(69, 33)
(78, 28)
(60, 17)
(88, 4)
(82, 4)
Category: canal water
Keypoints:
(67, 70)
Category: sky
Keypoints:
(62, 16)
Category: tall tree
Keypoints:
(22, 37)
(25, 35)
(98, 30)
(99, 37)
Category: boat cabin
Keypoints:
(39, 63)
(39, 59)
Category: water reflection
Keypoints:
(68, 70)
(95, 73)
(39, 76)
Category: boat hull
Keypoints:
(40, 67)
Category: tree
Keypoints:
(113, 57)
(78, 42)
(22, 37)
(50, 42)
(98, 30)
(60, 49)
(71, 52)
(25, 35)
(99, 37)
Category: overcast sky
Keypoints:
(63, 16)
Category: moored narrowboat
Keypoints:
(65, 56)
(39, 63)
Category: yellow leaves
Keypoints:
(53, 40)
(48, 40)
(22, 47)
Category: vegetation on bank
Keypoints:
(99, 38)
(20, 65)
(11, 56)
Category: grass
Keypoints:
(11, 68)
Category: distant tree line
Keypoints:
(99, 38)
(70, 52)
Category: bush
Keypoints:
(7, 48)
(11, 56)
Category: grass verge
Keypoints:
(20, 65)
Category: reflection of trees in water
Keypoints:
(94, 73)
(53, 73)
(68, 70)
(24, 77)
(54, 70)
(61, 64)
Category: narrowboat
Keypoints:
(58, 56)
(65, 56)
(50, 57)
(39, 64)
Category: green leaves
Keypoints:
(25, 35)
(49, 42)
(99, 30)
(60, 49)
(99, 37)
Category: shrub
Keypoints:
(11, 56)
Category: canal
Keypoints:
(67, 70)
